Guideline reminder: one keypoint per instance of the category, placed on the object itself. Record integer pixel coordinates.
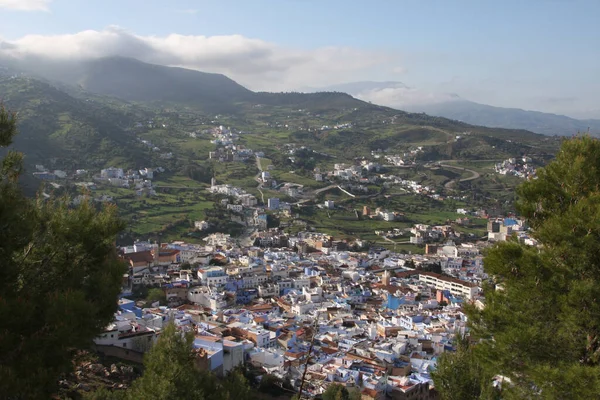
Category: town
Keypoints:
(375, 320)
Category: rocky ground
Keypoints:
(92, 372)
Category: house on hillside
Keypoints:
(139, 261)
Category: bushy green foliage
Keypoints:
(59, 280)
(460, 375)
(170, 372)
(540, 326)
(336, 391)
(154, 295)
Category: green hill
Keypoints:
(67, 132)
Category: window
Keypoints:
(111, 335)
(124, 344)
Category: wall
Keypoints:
(119, 352)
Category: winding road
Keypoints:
(257, 179)
(449, 184)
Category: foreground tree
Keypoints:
(460, 376)
(170, 372)
(59, 280)
(540, 327)
(336, 391)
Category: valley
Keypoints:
(286, 146)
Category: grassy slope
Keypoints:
(88, 131)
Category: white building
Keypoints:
(201, 225)
(112, 173)
(456, 286)
(273, 203)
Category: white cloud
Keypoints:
(256, 63)
(403, 97)
(25, 5)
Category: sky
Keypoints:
(533, 54)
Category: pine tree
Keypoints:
(169, 370)
(59, 279)
(540, 326)
(460, 376)
(335, 391)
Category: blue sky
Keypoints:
(541, 55)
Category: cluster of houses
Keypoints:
(355, 172)
(150, 145)
(407, 185)
(245, 199)
(374, 320)
(222, 136)
(138, 180)
(520, 167)
(499, 229)
(380, 213)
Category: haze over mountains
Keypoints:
(400, 96)
(134, 80)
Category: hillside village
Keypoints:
(262, 282)
(375, 320)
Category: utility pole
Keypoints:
(310, 348)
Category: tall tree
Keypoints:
(460, 376)
(335, 391)
(169, 370)
(540, 326)
(59, 279)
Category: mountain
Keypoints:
(101, 122)
(400, 96)
(512, 118)
(355, 88)
(60, 131)
(133, 80)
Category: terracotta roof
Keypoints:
(140, 256)
(404, 274)
(370, 392)
(329, 350)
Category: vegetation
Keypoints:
(540, 325)
(59, 280)
(171, 372)
(336, 391)
(461, 376)
(68, 129)
(154, 295)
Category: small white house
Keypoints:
(201, 225)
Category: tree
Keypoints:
(540, 326)
(460, 376)
(336, 391)
(155, 295)
(271, 384)
(354, 393)
(169, 370)
(59, 279)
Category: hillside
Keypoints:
(400, 96)
(82, 127)
(130, 79)
(66, 127)
(512, 118)
(62, 132)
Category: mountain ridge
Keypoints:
(400, 96)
